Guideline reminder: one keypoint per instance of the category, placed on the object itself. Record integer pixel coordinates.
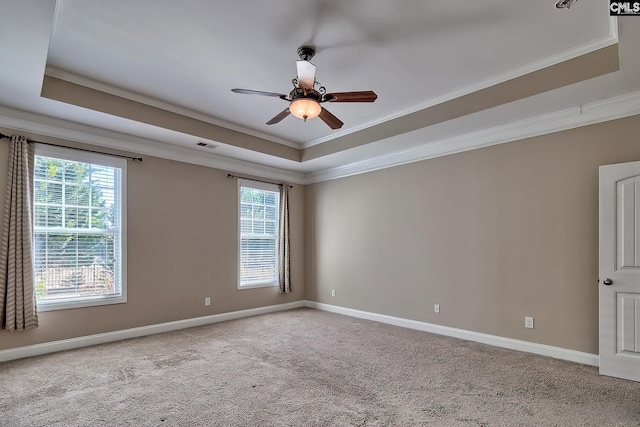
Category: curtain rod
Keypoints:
(257, 180)
(31, 141)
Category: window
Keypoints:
(258, 226)
(79, 229)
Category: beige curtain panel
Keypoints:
(284, 243)
(17, 298)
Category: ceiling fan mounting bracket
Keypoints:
(306, 52)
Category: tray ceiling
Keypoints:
(163, 70)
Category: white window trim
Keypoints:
(259, 186)
(103, 160)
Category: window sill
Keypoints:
(65, 305)
(257, 285)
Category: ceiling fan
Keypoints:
(307, 94)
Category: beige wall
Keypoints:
(182, 247)
(492, 235)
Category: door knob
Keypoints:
(607, 282)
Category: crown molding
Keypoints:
(613, 27)
(133, 96)
(583, 49)
(595, 112)
(63, 129)
(583, 115)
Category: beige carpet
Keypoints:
(308, 368)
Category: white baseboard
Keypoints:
(68, 344)
(529, 347)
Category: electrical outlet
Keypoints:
(333, 292)
(528, 322)
(436, 308)
(207, 301)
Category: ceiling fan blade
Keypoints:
(281, 115)
(362, 96)
(259, 92)
(306, 74)
(332, 121)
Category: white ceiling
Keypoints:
(184, 56)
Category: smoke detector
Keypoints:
(565, 4)
(206, 145)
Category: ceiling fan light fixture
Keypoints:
(305, 108)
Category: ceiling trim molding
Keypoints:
(583, 115)
(583, 49)
(57, 128)
(595, 112)
(133, 96)
(613, 27)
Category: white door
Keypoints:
(620, 270)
